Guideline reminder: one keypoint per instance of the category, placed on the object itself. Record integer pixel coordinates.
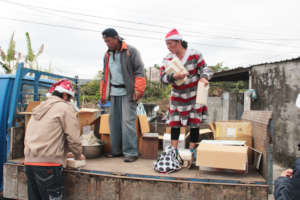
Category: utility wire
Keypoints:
(141, 23)
(129, 35)
(151, 31)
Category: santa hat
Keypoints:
(62, 86)
(173, 35)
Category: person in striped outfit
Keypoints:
(183, 110)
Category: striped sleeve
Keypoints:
(202, 69)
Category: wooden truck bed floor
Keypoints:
(143, 168)
(112, 179)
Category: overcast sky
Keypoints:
(234, 32)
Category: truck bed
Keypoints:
(112, 176)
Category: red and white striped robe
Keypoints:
(183, 110)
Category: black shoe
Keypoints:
(130, 158)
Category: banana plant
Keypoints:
(9, 60)
(31, 57)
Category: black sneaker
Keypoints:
(130, 158)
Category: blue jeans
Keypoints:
(44, 183)
(122, 123)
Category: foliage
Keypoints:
(89, 92)
(31, 57)
(217, 88)
(156, 91)
(10, 60)
(219, 67)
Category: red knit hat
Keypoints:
(173, 35)
(62, 86)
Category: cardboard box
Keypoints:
(31, 105)
(222, 157)
(142, 127)
(247, 138)
(87, 116)
(167, 141)
(233, 128)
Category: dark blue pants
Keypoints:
(44, 183)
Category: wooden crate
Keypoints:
(149, 146)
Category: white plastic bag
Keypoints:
(140, 110)
(202, 93)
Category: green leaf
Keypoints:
(3, 55)
(41, 50)
(30, 53)
(6, 67)
(11, 49)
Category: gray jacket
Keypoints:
(132, 71)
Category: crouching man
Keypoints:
(52, 131)
(287, 186)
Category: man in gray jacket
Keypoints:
(124, 83)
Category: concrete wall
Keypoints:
(229, 106)
(215, 109)
(277, 86)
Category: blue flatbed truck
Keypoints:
(113, 179)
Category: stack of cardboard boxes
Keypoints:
(227, 156)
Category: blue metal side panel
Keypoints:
(5, 91)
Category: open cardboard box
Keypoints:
(142, 127)
(234, 130)
(217, 156)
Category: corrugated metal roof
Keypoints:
(242, 73)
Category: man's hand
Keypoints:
(179, 76)
(287, 173)
(205, 81)
(137, 96)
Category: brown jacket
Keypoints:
(52, 131)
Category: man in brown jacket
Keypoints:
(52, 131)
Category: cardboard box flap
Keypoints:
(257, 158)
(87, 116)
(104, 124)
(225, 142)
(143, 124)
(205, 131)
